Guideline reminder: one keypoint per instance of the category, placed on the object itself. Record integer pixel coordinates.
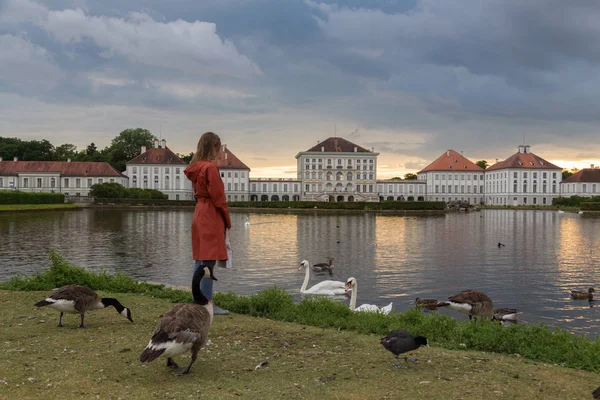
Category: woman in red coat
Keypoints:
(211, 216)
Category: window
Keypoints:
(145, 182)
(134, 181)
(243, 174)
(474, 177)
(228, 186)
(371, 187)
(229, 174)
(176, 197)
(524, 175)
(100, 180)
(26, 182)
(1, 182)
(437, 189)
(243, 187)
(111, 180)
(222, 174)
(235, 186)
(90, 181)
(515, 175)
(543, 200)
(544, 187)
(177, 182)
(534, 177)
(39, 182)
(66, 182)
(176, 170)
(275, 187)
(584, 188)
(544, 175)
(134, 170)
(554, 175)
(78, 182)
(235, 174)
(156, 170)
(145, 170)
(553, 187)
(307, 188)
(265, 187)
(254, 187)
(534, 187)
(474, 189)
(515, 186)
(167, 182)
(443, 177)
(462, 177)
(462, 188)
(295, 187)
(593, 186)
(437, 176)
(155, 182)
(167, 170)
(535, 200)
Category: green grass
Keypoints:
(533, 341)
(42, 361)
(34, 207)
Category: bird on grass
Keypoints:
(400, 342)
(184, 328)
(76, 299)
(471, 302)
(506, 314)
(596, 394)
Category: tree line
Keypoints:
(124, 147)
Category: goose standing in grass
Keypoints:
(324, 267)
(506, 314)
(76, 299)
(596, 394)
(184, 328)
(580, 295)
(352, 284)
(429, 304)
(400, 342)
(322, 288)
(471, 302)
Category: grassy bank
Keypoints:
(535, 342)
(35, 207)
(40, 360)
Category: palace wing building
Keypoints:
(585, 183)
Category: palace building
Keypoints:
(585, 183)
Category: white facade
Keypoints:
(454, 185)
(275, 189)
(349, 175)
(161, 169)
(585, 183)
(236, 183)
(403, 190)
(522, 179)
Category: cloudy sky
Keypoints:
(411, 78)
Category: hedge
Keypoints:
(574, 201)
(113, 190)
(590, 206)
(384, 205)
(18, 197)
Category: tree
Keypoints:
(567, 173)
(91, 149)
(396, 178)
(36, 150)
(410, 176)
(65, 151)
(186, 159)
(482, 164)
(127, 145)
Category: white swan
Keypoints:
(247, 223)
(324, 288)
(351, 285)
(561, 212)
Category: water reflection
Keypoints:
(393, 258)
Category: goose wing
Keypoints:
(83, 297)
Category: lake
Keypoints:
(393, 258)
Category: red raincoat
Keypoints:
(211, 216)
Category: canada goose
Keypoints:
(76, 299)
(322, 267)
(351, 284)
(185, 327)
(596, 394)
(399, 342)
(470, 302)
(324, 287)
(429, 304)
(506, 314)
(501, 244)
(579, 295)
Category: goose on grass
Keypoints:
(77, 299)
(400, 342)
(184, 328)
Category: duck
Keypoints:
(247, 223)
(330, 288)
(501, 244)
(77, 299)
(351, 284)
(506, 314)
(429, 304)
(183, 328)
(322, 267)
(471, 302)
(400, 342)
(580, 295)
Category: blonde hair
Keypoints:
(208, 145)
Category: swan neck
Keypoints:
(353, 297)
(306, 278)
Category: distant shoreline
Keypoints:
(28, 208)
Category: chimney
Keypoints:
(521, 148)
(156, 143)
(15, 159)
(143, 149)
(447, 153)
(527, 149)
(164, 143)
(496, 161)
(355, 149)
(322, 149)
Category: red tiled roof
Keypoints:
(157, 155)
(338, 145)
(585, 175)
(65, 168)
(524, 160)
(452, 161)
(228, 160)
